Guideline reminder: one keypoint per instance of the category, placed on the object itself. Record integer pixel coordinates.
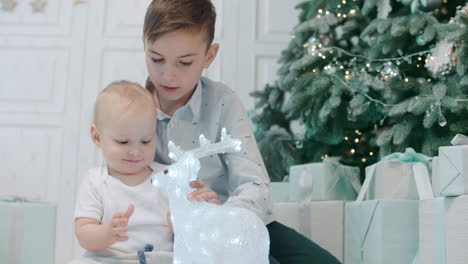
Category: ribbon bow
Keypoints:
(410, 155)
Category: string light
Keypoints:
(363, 160)
(345, 138)
(358, 132)
(353, 151)
(371, 153)
(356, 140)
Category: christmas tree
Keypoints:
(363, 79)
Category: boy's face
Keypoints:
(127, 139)
(175, 62)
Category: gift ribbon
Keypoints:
(421, 174)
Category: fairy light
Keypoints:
(371, 153)
(352, 11)
(344, 15)
(345, 138)
(353, 151)
(363, 160)
(358, 132)
(328, 12)
(339, 14)
(344, 2)
(356, 140)
(320, 11)
(406, 80)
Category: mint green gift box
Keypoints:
(279, 192)
(381, 232)
(323, 181)
(386, 231)
(27, 231)
(453, 171)
(443, 230)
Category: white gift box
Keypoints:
(393, 180)
(453, 169)
(323, 181)
(320, 221)
(27, 232)
(443, 230)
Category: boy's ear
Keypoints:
(211, 54)
(95, 135)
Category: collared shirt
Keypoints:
(239, 178)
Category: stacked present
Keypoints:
(27, 231)
(443, 227)
(384, 227)
(312, 202)
(395, 218)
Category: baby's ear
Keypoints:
(95, 135)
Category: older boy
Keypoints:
(178, 37)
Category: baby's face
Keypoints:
(127, 139)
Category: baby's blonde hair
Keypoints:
(127, 95)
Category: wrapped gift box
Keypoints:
(381, 232)
(27, 232)
(279, 192)
(320, 221)
(443, 230)
(327, 180)
(393, 180)
(453, 168)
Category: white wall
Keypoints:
(53, 64)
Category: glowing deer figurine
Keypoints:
(204, 232)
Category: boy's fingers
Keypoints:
(204, 194)
(215, 201)
(197, 184)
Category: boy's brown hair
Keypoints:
(164, 16)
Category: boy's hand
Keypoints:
(203, 193)
(119, 225)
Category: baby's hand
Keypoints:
(203, 193)
(119, 225)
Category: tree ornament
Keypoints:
(9, 5)
(389, 71)
(38, 6)
(441, 60)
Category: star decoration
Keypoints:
(76, 2)
(38, 6)
(9, 5)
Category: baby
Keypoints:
(118, 211)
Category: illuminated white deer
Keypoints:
(204, 232)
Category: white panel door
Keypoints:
(264, 31)
(41, 65)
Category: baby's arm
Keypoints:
(94, 236)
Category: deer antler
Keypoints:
(226, 144)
